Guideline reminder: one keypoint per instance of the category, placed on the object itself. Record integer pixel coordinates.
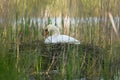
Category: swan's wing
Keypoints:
(61, 39)
(67, 39)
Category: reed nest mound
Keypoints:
(93, 55)
(57, 50)
(59, 47)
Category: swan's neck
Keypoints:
(56, 31)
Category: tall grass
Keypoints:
(24, 56)
(91, 60)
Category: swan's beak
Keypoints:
(46, 32)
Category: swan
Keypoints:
(57, 38)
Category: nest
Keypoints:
(53, 53)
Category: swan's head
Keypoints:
(51, 27)
(47, 29)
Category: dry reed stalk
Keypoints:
(113, 23)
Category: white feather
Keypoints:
(57, 38)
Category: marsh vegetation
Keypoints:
(25, 56)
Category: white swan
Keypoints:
(57, 38)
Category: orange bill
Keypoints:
(46, 32)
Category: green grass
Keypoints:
(23, 54)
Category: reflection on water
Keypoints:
(70, 20)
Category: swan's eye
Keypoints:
(46, 30)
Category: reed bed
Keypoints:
(25, 56)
